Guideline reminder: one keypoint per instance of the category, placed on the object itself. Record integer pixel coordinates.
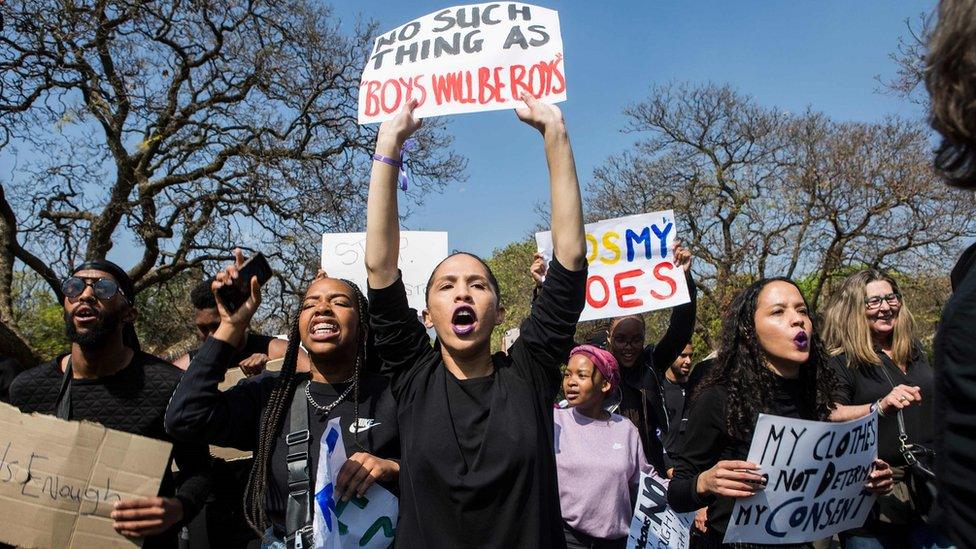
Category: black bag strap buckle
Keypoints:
(297, 437)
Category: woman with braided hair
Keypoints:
(281, 415)
(770, 361)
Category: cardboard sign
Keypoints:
(479, 57)
(369, 521)
(815, 480)
(231, 378)
(654, 524)
(343, 256)
(631, 265)
(60, 479)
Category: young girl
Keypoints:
(478, 465)
(281, 416)
(598, 454)
(770, 361)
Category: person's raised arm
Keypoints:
(382, 215)
(568, 241)
(682, 324)
(198, 411)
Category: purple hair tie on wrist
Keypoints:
(400, 164)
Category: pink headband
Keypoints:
(603, 360)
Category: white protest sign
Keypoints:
(815, 480)
(369, 521)
(472, 58)
(654, 523)
(631, 265)
(343, 256)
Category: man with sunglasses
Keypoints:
(106, 378)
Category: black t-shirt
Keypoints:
(132, 400)
(706, 442)
(199, 411)
(508, 496)
(955, 364)
(866, 384)
(469, 401)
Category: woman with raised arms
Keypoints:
(770, 361)
(478, 468)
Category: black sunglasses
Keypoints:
(103, 288)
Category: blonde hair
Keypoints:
(846, 329)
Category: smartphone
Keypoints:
(234, 295)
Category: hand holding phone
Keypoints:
(234, 291)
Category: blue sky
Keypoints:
(792, 55)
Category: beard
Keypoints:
(97, 334)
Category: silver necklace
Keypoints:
(327, 409)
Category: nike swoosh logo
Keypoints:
(363, 425)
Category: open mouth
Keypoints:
(85, 313)
(323, 329)
(463, 320)
(801, 340)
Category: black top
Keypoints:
(706, 442)
(507, 495)
(866, 384)
(254, 343)
(642, 388)
(132, 400)
(9, 369)
(674, 406)
(199, 411)
(469, 402)
(955, 364)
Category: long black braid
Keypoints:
(740, 367)
(279, 402)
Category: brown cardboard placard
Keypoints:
(60, 479)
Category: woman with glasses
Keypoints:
(880, 365)
(642, 368)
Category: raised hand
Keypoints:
(538, 269)
(233, 325)
(393, 133)
(539, 115)
(682, 256)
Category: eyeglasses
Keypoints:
(103, 288)
(874, 301)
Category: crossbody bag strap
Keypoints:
(298, 515)
(62, 406)
(902, 433)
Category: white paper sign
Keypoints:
(369, 521)
(343, 256)
(631, 265)
(654, 524)
(815, 480)
(472, 58)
